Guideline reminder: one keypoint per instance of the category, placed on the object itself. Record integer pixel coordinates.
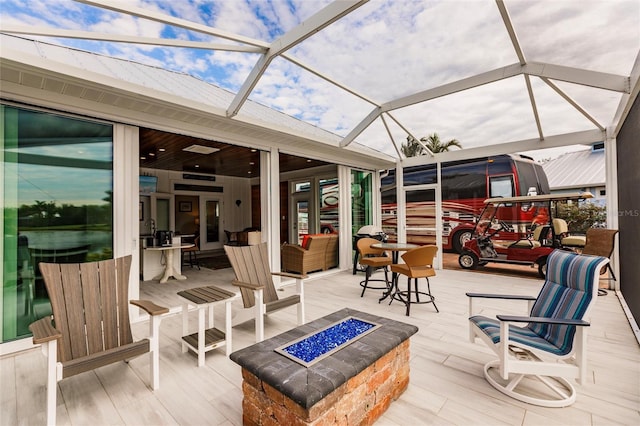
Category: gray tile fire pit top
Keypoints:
(308, 385)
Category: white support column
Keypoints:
(345, 233)
(611, 199)
(401, 230)
(265, 166)
(126, 169)
(270, 204)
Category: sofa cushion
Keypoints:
(307, 238)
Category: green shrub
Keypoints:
(582, 216)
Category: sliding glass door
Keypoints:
(57, 192)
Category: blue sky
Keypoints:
(385, 49)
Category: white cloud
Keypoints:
(587, 34)
(384, 50)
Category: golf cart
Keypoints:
(493, 238)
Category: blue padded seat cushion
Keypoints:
(523, 335)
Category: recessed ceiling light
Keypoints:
(249, 172)
(253, 150)
(201, 149)
(308, 161)
(143, 158)
(162, 150)
(197, 165)
(152, 154)
(251, 163)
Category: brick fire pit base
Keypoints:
(353, 386)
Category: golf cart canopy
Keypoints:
(540, 198)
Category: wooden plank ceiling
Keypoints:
(165, 151)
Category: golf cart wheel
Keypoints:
(459, 238)
(542, 268)
(468, 260)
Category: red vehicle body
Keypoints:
(464, 185)
(531, 248)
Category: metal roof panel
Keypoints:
(580, 169)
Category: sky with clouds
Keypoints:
(384, 50)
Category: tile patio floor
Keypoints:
(447, 384)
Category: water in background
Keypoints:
(98, 240)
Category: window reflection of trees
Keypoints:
(58, 207)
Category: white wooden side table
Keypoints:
(207, 337)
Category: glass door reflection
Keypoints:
(302, 219)
(212, 221)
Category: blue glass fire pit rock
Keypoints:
(314, 347)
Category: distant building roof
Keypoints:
(580, 169)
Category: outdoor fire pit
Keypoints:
(346, 367)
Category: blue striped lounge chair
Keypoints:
(549, 345)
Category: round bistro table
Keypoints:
(395, 249)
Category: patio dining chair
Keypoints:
(373, 259)
(259, 294)
(90, 325)
(536, 359)
(418, 264)
(601, 242)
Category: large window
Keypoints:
(57, 182)
(501, 186)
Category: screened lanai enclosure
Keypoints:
(539, 73)
(337, 87)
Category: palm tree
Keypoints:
(412, 148)
(435, 145)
